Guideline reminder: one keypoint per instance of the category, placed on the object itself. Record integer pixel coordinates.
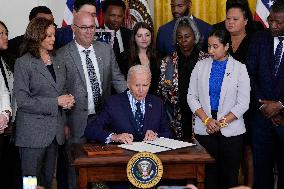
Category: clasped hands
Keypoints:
(127, 138)
(213, 125)
(272, 110)
(66, 101)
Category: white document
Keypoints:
(143, 147)
(158, 145)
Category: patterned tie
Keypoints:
(115, 47)
(278, 54)
(93, 80)
(139, 119)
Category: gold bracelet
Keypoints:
(224, 123)
(206, 121)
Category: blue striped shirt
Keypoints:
(133, 102)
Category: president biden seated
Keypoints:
(133, 115)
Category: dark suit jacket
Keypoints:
(125, 34)
(260, 67)
(165, 44)
(63, 36)
(117, 117)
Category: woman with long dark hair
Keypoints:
(142, 51)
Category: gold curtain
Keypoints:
(211, 11)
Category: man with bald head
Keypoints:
(91, 71)
(65, 34)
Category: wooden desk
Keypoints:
(185, 163)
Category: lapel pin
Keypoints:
(150, 105)
(58, 67)
(99, 58)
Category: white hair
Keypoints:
(142, 69)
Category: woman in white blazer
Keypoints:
(219, 94)
(5, 108)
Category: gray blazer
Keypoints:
(76, 84)
(39, 119)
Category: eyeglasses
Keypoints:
(3, 33)
(86, 28)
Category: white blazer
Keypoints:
(234, 97)
(4, 96)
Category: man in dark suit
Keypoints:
(113, 13)
(132, 115)
(179, 8)
(91, 71)
(65, 34)
(265, 65)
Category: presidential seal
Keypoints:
(144, 170)
(139, 12)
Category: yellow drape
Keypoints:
(211, 11)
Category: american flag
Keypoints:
(68, 15)
(262, 11)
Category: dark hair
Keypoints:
(118, 3)
(39, 9)
(79, 3)
(222, 34)
(35, 34)
(244, 7)
(278, 6)
(2, 23)
(133, 45)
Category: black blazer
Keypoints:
(260, 68)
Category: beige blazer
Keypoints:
(234, 97)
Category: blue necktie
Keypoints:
(278, 54)
(139, 119)
(93, 80)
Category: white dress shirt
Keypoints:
(92, 55)
(276, 42)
